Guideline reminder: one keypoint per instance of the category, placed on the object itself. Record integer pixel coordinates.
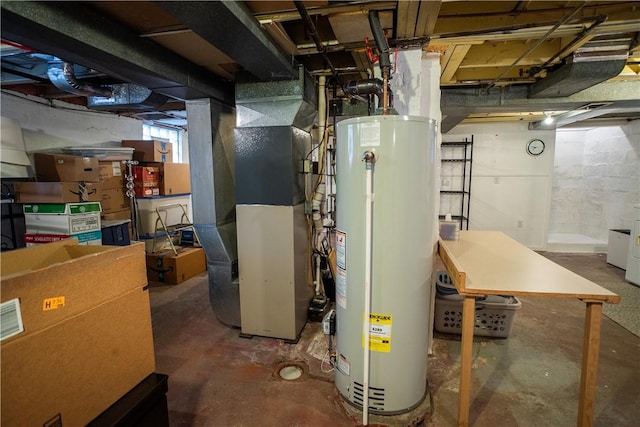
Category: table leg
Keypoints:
(590, 353)
(468, 324)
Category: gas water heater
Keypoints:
(385, 164)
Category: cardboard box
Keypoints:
(114, 199)
(88, 238)
(170, 268)
(117, 215)
(62, 218)
(143, 191)
(150, 150)
(147, 176)
(86, 338)
(57, 192)
(111, 175)
(174, 178)
(65, 168)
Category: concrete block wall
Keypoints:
(596, 179)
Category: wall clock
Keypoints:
(535, 147)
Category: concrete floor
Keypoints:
(531, 379)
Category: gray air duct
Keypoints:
(367, 87)
(127, 96)
(272, 140)
(63, 77)
(593, 63)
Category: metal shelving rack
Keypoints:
(463, 191)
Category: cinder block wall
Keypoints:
(596, 179)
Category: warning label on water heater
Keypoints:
(341, 270)
(379, 332)
(341, 249)
(370, 134)
(341, 288)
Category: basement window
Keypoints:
(167, 133)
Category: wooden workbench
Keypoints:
(490, 262)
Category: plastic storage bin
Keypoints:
(116, 233)
(492, 319)
(494, 313)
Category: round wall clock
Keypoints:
(535, 147)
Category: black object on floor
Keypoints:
(145, 405)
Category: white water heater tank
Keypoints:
(403, 242)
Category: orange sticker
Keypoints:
(52, 303)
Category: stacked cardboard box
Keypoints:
(115, 203)
(173, 178)
(146, 181)
(61, 179)
(167, 267)
(163, 191)
(64, 202)
(150, 150)
(76, 331)
(50, 222)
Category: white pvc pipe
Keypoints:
(367, 292)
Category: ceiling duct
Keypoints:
(593, 63)
(126, 97)
(63, 76)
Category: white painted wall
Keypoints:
(596, 179)
(65, 125)
(510, 190)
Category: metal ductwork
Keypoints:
(63, 77)
(367, 87)
(211, 125)
(593, 63)
(272, 140)
(127, 96)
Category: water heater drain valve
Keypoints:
(369, 158)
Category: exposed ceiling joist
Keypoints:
(77, 33)
(406, 19)
(427, 17)
(231, 27)
(451, 61)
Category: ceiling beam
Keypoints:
(460, 16)
(77, 33)
(458, 103)
(293, 15)
(231, 27)
(406, 19)
(451, 60)
(427, 17)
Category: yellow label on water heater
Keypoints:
(379, 332)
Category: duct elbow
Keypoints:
(63, 77)
(368, 87)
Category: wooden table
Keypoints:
(490, 262)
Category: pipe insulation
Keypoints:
(313, 32)
(381, 42)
